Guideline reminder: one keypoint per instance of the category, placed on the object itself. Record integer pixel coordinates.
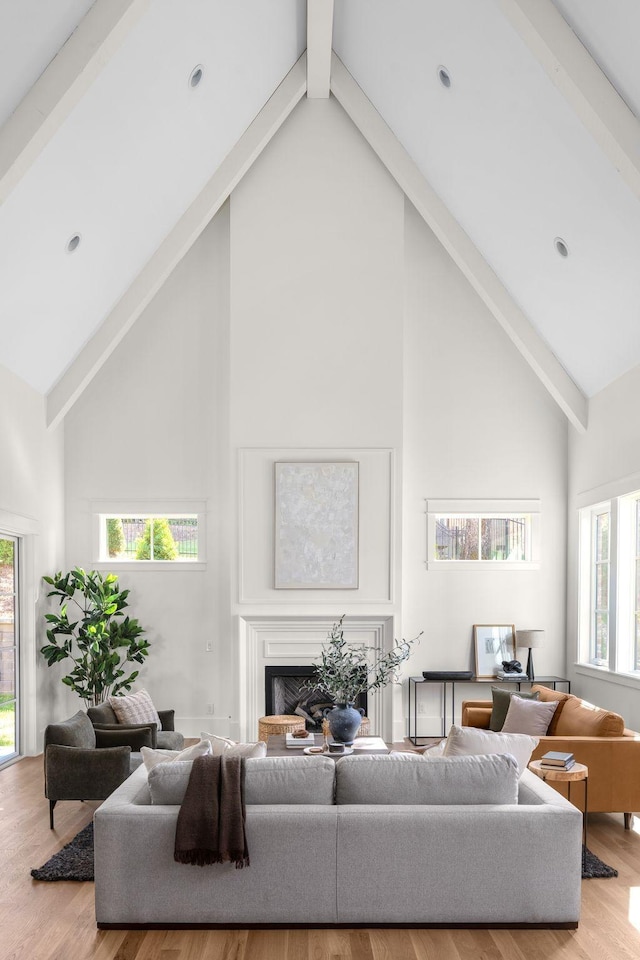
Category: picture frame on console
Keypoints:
(493, 643)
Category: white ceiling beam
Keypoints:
(99, 348)
(458, 245)
(319, 40)
(62, 85)
(581, 81)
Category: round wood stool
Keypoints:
(281, 723)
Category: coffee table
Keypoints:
(363, 746)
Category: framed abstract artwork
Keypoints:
(493, 644)
(316, 525)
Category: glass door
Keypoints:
(9, 686)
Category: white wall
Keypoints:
(152, 426)
(603, 462)
(316, 318)
(477, 424)
(32, 506)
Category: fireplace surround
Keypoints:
(286, 641)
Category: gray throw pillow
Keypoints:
(526, 716)
(501, 702)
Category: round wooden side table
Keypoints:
(280, 723)
(579, 771)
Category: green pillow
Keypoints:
(501, 701)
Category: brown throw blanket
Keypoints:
(211, 822)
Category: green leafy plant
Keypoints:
(101, 642)
(6, 552)
(344, 670)
(115, 537)
(164, 546)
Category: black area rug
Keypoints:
(593, 868)
(73, 862)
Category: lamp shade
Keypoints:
(530, 638)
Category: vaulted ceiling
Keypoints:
(514, 121)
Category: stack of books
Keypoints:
(556, 760)
(505, 675)
(297, 743)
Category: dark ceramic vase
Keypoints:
(344, 722)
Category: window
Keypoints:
(599, 639)
(500, 538)
(145, 537)
(609, 620)
(9, 633)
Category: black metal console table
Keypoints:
(414, 682)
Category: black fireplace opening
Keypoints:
(290, 691)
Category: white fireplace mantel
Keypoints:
(298, 641)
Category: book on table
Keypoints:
(297, 743)
(557, 766)
(505, 675)
(557, 758)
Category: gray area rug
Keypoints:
(593, 868)
(73, 862)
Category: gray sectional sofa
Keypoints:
(366, 840)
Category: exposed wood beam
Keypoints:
(319, 39)
(456, 242)
(96, 351)
(61, 86)
(581, 81)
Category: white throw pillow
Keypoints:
(529, 716)
(151, 758)
(231, 748)
(135, 708)
(472, 741)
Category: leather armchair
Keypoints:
(106, 725)
(75, 768)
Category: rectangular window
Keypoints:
(483, 538)
(9, 634)
(146, 537)
(636, 592)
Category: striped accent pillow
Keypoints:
(135, 708)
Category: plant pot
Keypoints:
(344, 722)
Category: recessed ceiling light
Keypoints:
(73, 243)
(443, 77)
(196, 75)
(561, 247)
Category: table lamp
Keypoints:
(530, 639)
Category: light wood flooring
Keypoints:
(55, 921)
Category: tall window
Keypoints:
(9, 686)
(600, 590)
(636, 591)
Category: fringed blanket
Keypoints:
(211, 822)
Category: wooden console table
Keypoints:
(414, 683)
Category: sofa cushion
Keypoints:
(469, 741)
(441, 780)
(135, 708)
(582, 719)
(151, 758)
(546, 694)
(268, 780)
(529, 716)
(501, 702)
(231, 748)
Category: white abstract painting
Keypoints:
(316, 526)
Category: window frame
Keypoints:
(484, 509)
(102, 510)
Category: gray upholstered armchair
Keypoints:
(106, 726)
(76, 767)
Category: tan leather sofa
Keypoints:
(597, 738)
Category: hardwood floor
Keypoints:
(55, 921)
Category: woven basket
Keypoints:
(278, 724)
